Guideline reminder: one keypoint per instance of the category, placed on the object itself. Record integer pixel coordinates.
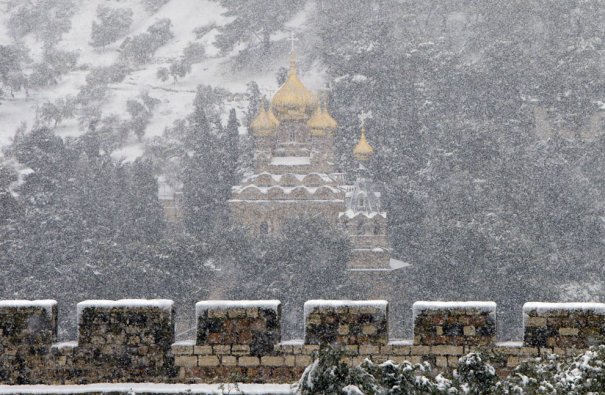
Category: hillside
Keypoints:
(175, 97)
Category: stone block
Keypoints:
(182, 348)
(248, 361)
(272, 361)
(228, 360)
(569, 331)
(367, 349)
(441, 361)
(208, 361)
(186, 361)
(512, 361)
(452, 361)
(290, 360)
(303, 360)
(202, 350)
(346, 322)
(240, 349)
(221, 350)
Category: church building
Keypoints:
(294, 174)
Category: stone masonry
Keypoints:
(346, 323)
(239, 341)
(578, 325)
(455, 323)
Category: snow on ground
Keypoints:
(176, 98)
(252, 389)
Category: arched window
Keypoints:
(264, 228)
(292, 135)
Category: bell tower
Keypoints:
(364, 219)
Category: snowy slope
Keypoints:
(175, 98)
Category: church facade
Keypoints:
(294, 174)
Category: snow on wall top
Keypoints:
(164, 304)
(545, 307)
(206, 305)
(65, 345)
(46, 304)
(312, 304)
(542, 308)
(482, 306)
(421, 306)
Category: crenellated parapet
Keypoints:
(133, 340)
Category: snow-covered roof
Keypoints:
(46, 304)
(290, 161)
(286, 190)
(278, 177)
(312, 304)
(203, 306)
(352, 214)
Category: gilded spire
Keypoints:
(363, 151)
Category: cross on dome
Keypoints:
(292, 40)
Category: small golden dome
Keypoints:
(321, 121)
(293, 100)
(363, 150)
(264, 123)
(316, 123)
(272, 117)
(327, 119)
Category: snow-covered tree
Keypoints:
(139, 49)
(113, 24)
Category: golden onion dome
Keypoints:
(272, 117)
(264, 123)
(316, 123)
(321, 121)
(327, 119)
(363, 150)
(293, 100)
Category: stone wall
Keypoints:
(239, 341)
